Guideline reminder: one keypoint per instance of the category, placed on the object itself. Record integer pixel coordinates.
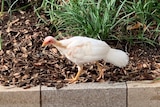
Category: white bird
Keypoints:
(81, 50)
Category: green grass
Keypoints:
(103, 19)
(84, 17)
(2, 8)
(10, 6)
(94, 19)
(146, 12)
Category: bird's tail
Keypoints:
(117, 57)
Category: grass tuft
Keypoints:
(133, 21)
(95, 19)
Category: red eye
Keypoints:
(49, 41)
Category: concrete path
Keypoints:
(124, 94)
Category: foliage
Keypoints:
(147, 12)
(103, 19)
(2, 8)
(84, 17)
(15, 5)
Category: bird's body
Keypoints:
(81, 50)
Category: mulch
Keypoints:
(24, 63)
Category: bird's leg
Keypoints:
(80, 70)
(101, 71)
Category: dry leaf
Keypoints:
(38, 64)
(24, 50)
(10, 25)
(137, 26)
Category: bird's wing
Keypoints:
(87, 50)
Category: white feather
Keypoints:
(82, 50)
(117, 57)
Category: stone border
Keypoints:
(124, 94)
(17, 97)
(143, 94)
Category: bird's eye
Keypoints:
(49, 41)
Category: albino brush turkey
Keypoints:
(81, 50)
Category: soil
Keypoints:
(24, 63)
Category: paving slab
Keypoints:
(143, 94)
(18, 97)
(85, 95)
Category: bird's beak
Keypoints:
(44, 44)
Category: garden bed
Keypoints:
(24, 63)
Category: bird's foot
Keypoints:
(72, 80)
(75, 79)
(101, 75)
(101, 70)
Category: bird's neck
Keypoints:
(59, 45)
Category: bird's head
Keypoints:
(48, 40)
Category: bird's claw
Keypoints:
(70, 81)
(101, 76)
